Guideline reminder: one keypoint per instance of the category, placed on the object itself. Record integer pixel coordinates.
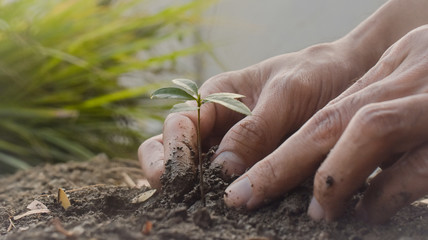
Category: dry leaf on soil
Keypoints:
(31, 212)
(144, 196)
(63, 199)
(35, 207)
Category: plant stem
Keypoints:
(201, 167)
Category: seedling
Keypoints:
(187, 90)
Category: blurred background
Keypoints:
(244, 32)
(76, 75)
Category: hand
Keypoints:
(283, 92)
(380, 120)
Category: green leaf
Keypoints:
(188, 85)
(228, 102)
(226, 95)
(172, 92)
(183, 107)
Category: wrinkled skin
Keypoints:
(328, 111)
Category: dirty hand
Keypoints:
(381, 120)
(282, 92)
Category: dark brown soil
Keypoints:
(102, 209)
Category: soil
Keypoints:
(101, 195)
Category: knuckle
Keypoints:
(379, 121)
(216, 83)
(237, 82)
(326, 125)
(251, 135)
(224, 81)
(291, 81)
(386, 65)
(267, 174)
(267, 171)
(298, 92)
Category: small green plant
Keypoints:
(188, 90)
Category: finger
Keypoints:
(273, 118)
(274, 175)
(247, 142)
(404, 182)
(386, 66)
(298, 157)
(295, 160)
(151, 156)
(375, 134)
(403, 60)
(179, 139)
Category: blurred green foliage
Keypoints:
(60, 98)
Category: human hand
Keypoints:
(385, 124)
(283, 92)
(380, 120)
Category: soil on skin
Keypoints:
(102, 208)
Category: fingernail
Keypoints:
(231, 163)
(238, 193)
(315, 211)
